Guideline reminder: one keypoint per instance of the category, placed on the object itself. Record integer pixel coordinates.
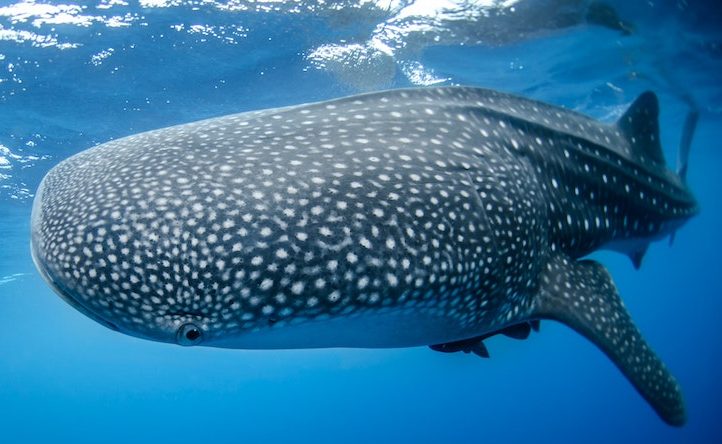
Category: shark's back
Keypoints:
(451, 104)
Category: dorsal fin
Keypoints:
(640, 127)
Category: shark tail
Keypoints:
(680, 90)
(582, 295)
(685, 144)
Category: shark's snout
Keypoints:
(40, 259)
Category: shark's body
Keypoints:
(393, 219)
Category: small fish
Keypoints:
(434, 216)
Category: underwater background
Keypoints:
(77, 73)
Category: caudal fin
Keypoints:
(582, 295)
(690, 124)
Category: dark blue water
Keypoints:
(80, 73)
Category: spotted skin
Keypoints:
(602, 318)
(391, 219)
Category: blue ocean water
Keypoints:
(74, 74)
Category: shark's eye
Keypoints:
(189, 334)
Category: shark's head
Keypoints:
(160, 237)
(179, 327)
(128, 252)
(91, 290)
(142, 275)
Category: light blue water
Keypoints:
(80, 73)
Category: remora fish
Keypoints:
(402, 218)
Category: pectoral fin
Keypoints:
(582, 295)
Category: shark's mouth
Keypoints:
(41, 266)
(65, 293)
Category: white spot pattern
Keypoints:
(445, 201)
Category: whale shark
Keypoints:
(410, 217)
